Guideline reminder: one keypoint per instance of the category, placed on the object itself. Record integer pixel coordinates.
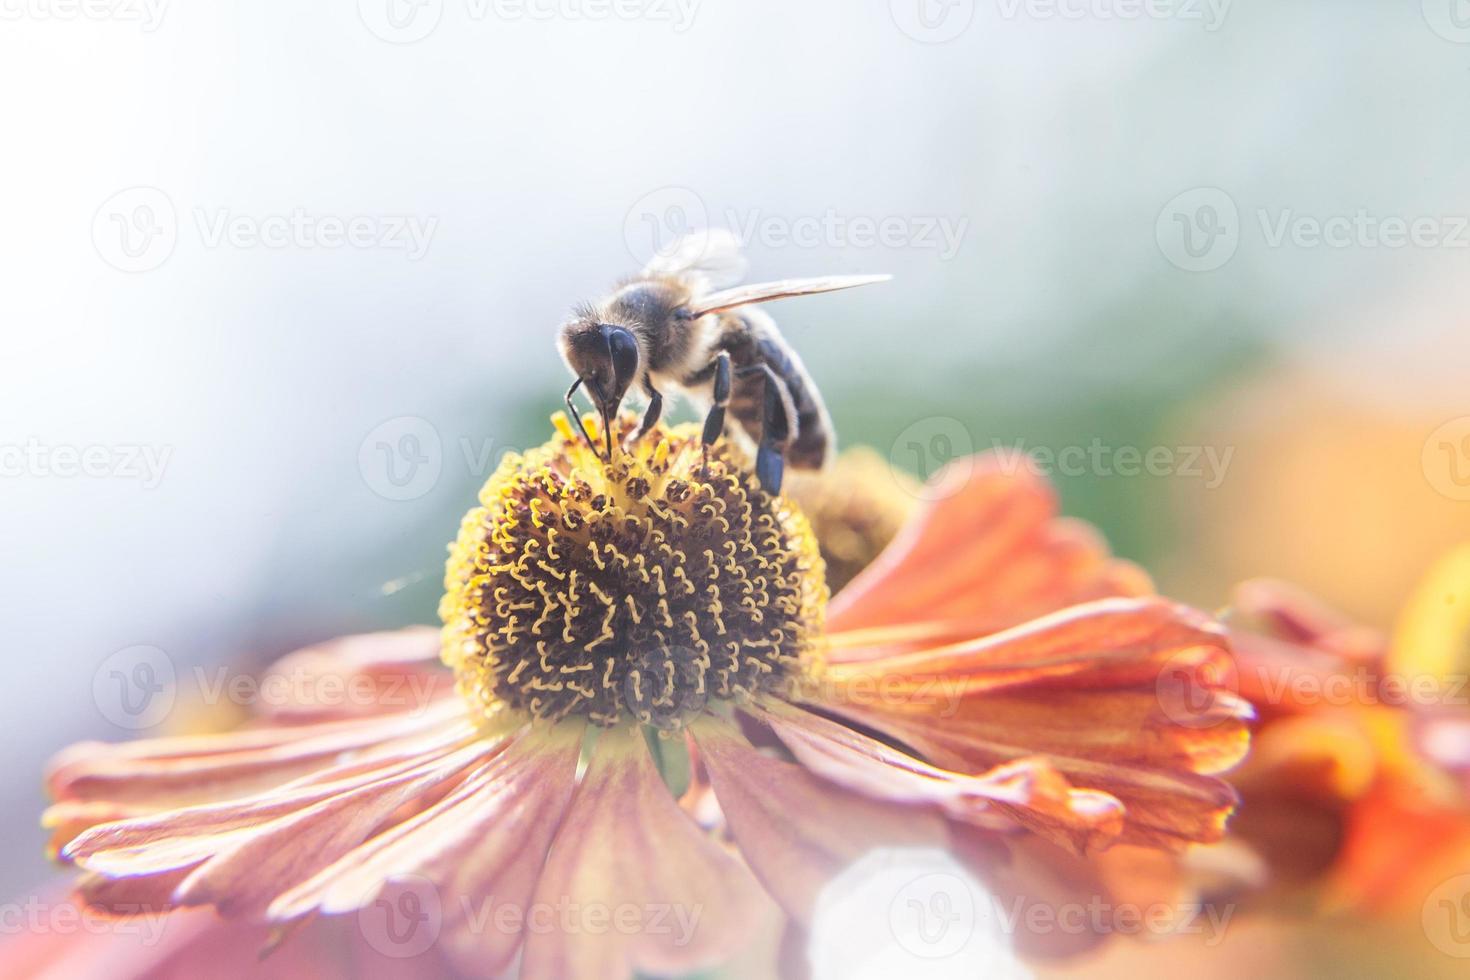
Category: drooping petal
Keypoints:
(1165, 805)
(247, 811)
(247, 875)
(796, 830)
(481, 846)
(187, 769)
(987, 555)
(243, 853)
(1129, 697)
(632, 884)
(1026, 792)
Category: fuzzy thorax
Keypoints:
(649, 588)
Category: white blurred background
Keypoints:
(218, 444)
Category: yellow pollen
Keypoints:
(648, 588)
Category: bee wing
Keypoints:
(764, 292)
(711, 256)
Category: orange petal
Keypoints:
(1286, 612)
(1092, 690)
(1161, 807)
(482, 846)
(989, 555)
(632, 884)
(797, 831)
(1107, 643)
(365, 674)
(186, 769)
(1383, 868)
(267, 860)
(182, 825)
(1028, 792)
(246, 852)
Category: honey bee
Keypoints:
(682, 327)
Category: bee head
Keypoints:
(605, 359)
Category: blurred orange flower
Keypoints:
(1350, 792)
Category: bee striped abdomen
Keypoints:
(752, 340)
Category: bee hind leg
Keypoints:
(776, 414)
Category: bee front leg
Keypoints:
(655, 410)
(714, 422)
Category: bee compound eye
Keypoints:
(624, 351)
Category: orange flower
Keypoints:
(645, 673)
(1349, 790)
